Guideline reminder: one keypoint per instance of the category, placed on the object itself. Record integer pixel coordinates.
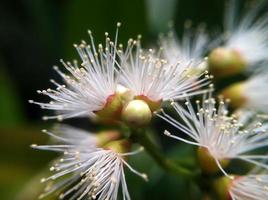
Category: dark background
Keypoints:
(35, 34)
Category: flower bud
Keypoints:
(104, 137)
(208, 163)
(225, 62)
(137, 113)
(111, 112)
(221, 188)
(235, 94)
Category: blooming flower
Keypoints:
(249, 35)
(249, 187)
(86, 171)
(224, 137)
(189, 50)
(154, 80)
(245, 41)
(88, 88)
(110, 77)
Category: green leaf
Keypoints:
(10, 109)
(19, 163)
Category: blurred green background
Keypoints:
(34, 35)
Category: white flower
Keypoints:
(249, 187)
(71, 136)
(155, 79)
(85, 171)
(225, 137)
(189, 50)
(247, 34)
(86, 88)
(255, 92)
(91, 88)
(251, 94)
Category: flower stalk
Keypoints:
(153, 150)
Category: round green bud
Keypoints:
(137, 113)
(235, 93)
(225, 62)
(221, 187)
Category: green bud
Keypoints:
(208, 163)
(137, 113)
(111, 112)
(225, 62)
(235, 94)
(221, 186)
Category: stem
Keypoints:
(162, 161)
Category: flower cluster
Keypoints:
(127, 87)
(103, 84)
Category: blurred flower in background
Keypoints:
(244, 40)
